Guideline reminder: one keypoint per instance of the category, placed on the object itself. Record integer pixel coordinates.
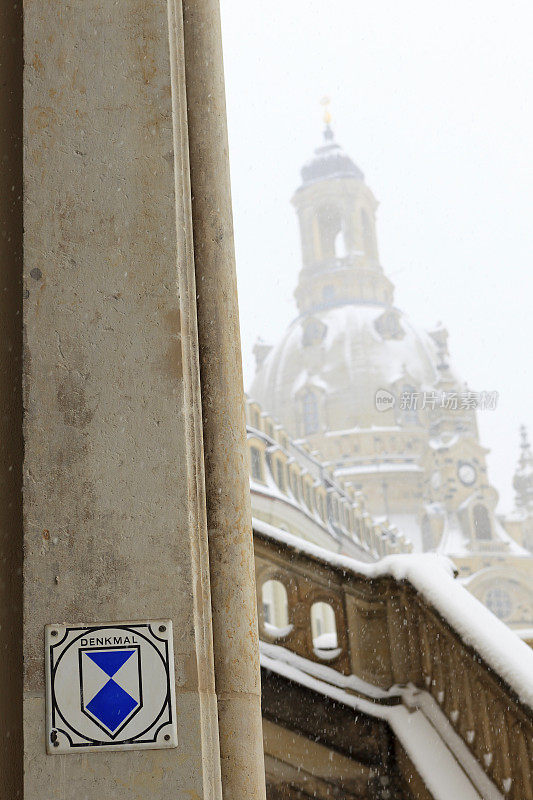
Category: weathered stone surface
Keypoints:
(113, 477)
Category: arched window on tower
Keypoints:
(310, 412)
(340, 244)
(332, 242)
(368, 236)
(482, 526)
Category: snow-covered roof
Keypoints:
(379, 467)
(329, 161)
(352, 362)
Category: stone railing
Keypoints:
(390, 635)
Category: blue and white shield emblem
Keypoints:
(111, 690)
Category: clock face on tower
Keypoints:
(467, 473)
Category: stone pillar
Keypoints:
(235, 633)
(114, 504)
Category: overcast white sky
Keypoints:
(433, 102)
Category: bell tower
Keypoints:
(337, 217)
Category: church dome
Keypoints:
(349, 341)
(344, 355)
(329, 161)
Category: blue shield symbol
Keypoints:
(110, 684)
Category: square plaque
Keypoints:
(110, 686)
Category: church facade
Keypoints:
(376, 402)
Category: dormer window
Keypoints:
(388, 325)
(280, 475)
(314, 332)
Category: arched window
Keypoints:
(310, 412)
(330, 230)
(340, 245)
(498, 600)
(280, 475)
(256, 459)
(368, 237)
(275, 607)
(482, 526)
(294, 485)
(324, 630)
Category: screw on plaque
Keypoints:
(162, 628)
(54, 739)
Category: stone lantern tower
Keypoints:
(336, 213)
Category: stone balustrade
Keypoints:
(389, 635)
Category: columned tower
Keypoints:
(336, 213)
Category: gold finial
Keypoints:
(327, 114)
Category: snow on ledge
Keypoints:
(433, 577)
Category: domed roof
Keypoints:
(346, 354)
(329, 161)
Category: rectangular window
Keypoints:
(280, 474)
(294, 485)
(257, 463)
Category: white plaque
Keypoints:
(110, 686)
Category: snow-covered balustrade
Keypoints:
(404, 627)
